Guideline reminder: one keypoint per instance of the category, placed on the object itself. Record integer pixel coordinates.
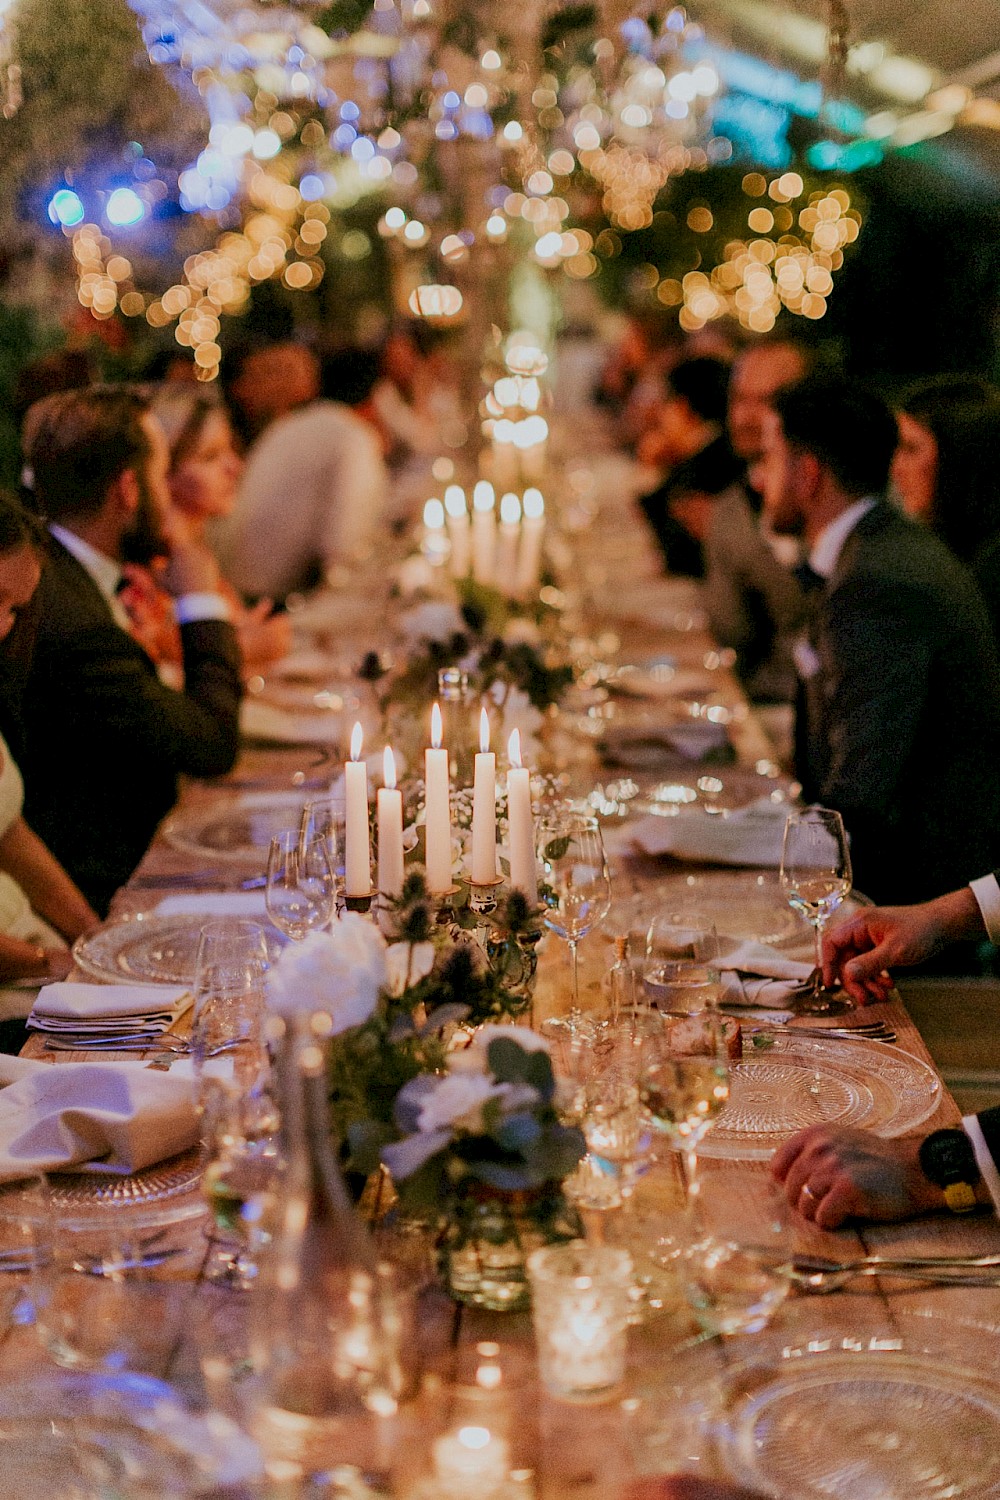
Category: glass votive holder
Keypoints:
(580, 1297)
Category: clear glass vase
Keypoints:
(490, 1234)
(329, 1325)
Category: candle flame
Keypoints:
(357, 739)
(474, 1438)
(454, 500)
(389, 768)
(436, 726)
(483, 496)
(534, 504)
(514, 748)
(484, 731)
(433, 515)
(510, 509)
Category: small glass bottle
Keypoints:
(622, 987)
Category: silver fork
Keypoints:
(874, 1031)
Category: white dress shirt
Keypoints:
(825, 552)
(107, 574)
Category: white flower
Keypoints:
(407, 964)
(414, 574)
(520, 631)
(339, 972)
(458, 1101)
(474, 1059)
(433, 621)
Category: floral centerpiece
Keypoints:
(467, 1128)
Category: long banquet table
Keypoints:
(561, 1450)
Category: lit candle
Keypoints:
(389, 808)
(529, 560)
(505, 458)
(436, 545)
(437, 810)
(457, 521)
(484, 809)
(471, 1461)
(520, 823)
(530, 437)
(580, 1309)
(358, 871)
(483, 531)
(510, 534)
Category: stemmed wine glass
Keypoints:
(301, 886)
(816, 878)
(239, 1121)
(684, 1083)
(576, 883)
(326, 818)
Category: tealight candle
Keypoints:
(357, 860)
(437, 810)
(580, 1307)
(471, 1461)
(520, 823)
(483, 531)
(389, 808)
(529, 559)
(484, 809)
(457, 521)
(505, 570)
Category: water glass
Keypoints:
(580, 1298)
(681, 974)
(301, 886)
(575, 881)
(731, 1268)
(816, 877)
(326, 819)
(98, 1305)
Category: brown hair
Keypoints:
(182, 410)
(78, 443)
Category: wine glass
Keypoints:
(301, 887)
(326, 818)
(576, 884)
(684, 1083)
(816, 878)
(231, 1066)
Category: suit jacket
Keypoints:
(899, 722)
(104, 739)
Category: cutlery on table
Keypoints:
(874, 1031)
(817, 1275)
(176, 1046)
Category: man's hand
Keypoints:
(832, 1173)
(859, 952)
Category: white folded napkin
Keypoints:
(263, 721)
(647, 744)
(754, 974)
(214, 904)
(108, 1007)
(641, 682)
(118, 1117)
(749, 836)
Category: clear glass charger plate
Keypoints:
(92, 1437)
(240, 831)
(740, 905)
(165, 1193)
(907, 1410)
(149, 949)
(797, 1081)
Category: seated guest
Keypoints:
(899, 701)
(688, 431)
(311, 498)
(41, 910)
(204, 471)
(754, 603)
(104, 739)
(832, 1174)
(945, 470)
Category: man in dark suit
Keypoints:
(104, 738)
(898, 721)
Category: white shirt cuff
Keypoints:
(984, 1161)
(189, 608)
(987, 894)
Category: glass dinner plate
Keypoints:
(91, 1437)
(797, 1081)
(240, 831)
(740, 905)
(899, 1418)
(165, 1193)
(149, 949)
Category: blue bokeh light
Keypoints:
(66, 208)
(124, 208)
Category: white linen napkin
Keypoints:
(754, 974)
(749, 836)
(97, 1008)
(281, 726)
(214, 904)
(118, 1117)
